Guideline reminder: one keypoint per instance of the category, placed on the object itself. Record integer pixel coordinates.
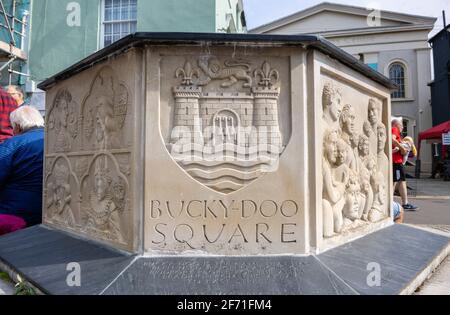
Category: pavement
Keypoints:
(433, 198)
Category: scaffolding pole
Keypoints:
(9, 47)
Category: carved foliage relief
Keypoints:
(355, 165)
(88, 158)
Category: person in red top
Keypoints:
(7, 106)
(399, 169)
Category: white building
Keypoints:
(396, 44)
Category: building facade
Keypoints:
(64, 32)
(395, 44)
(440, 87)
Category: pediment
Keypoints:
(333, 17)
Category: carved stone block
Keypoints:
(241, 149)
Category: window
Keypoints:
(119, 20)
(405, 128)
(397, 73)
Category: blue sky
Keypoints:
(259, 12)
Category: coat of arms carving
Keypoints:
(226, 130)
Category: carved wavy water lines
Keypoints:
(247, 166)
(226, 177)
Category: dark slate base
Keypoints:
(41, 256)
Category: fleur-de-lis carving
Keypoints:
(268, 75)
(187, 74)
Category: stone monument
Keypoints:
(209, 145)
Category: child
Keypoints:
(408, 144)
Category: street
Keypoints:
(433, 198)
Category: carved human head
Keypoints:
(382, 138)
(374, 112)
(352, 200)
(364, 146)
(102, 183)
(330, 146)
(371, 165)
(62, 106)
(62, 179)
(331, 102)
(354, 139)
(347, 119)
(342, 152)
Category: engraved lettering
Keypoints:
(250, 203)
(180, 235)
(284, 233)
(269, 209)
(155, 207)
(188, 210)
(170, 212)
(161, 233)
(208, 209)
(259, 233)
(218, 236)
(238, 233)
(289, 208)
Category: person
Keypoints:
(17, 94)
(7, 106)
(408, 144)
(398, 167)
(21, 167)
(398, 213)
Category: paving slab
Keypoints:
(43, 256)
(406, 257)
(401, 253)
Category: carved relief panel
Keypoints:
(89, 156)
(104, 203)
(62, 195)
(62, 123)
(355, 166)
(103, 113)
(216, 155)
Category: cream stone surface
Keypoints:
(218, 149)
(91, 147)
(226, 140)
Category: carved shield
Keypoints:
(224, 129)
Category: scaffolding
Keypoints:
(13, 28)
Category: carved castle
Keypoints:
(238, 118)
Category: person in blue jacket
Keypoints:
(21, 167)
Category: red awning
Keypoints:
(435, 132)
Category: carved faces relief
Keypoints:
(330, 147)
(101, 186)
(364, 146)
(342, 152)
(353, 203)
(382, 138)
(374, 112)
(332, 103)
(347, 119)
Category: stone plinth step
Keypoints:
(395, 260)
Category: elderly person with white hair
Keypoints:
(399, 169)
(21, 170)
